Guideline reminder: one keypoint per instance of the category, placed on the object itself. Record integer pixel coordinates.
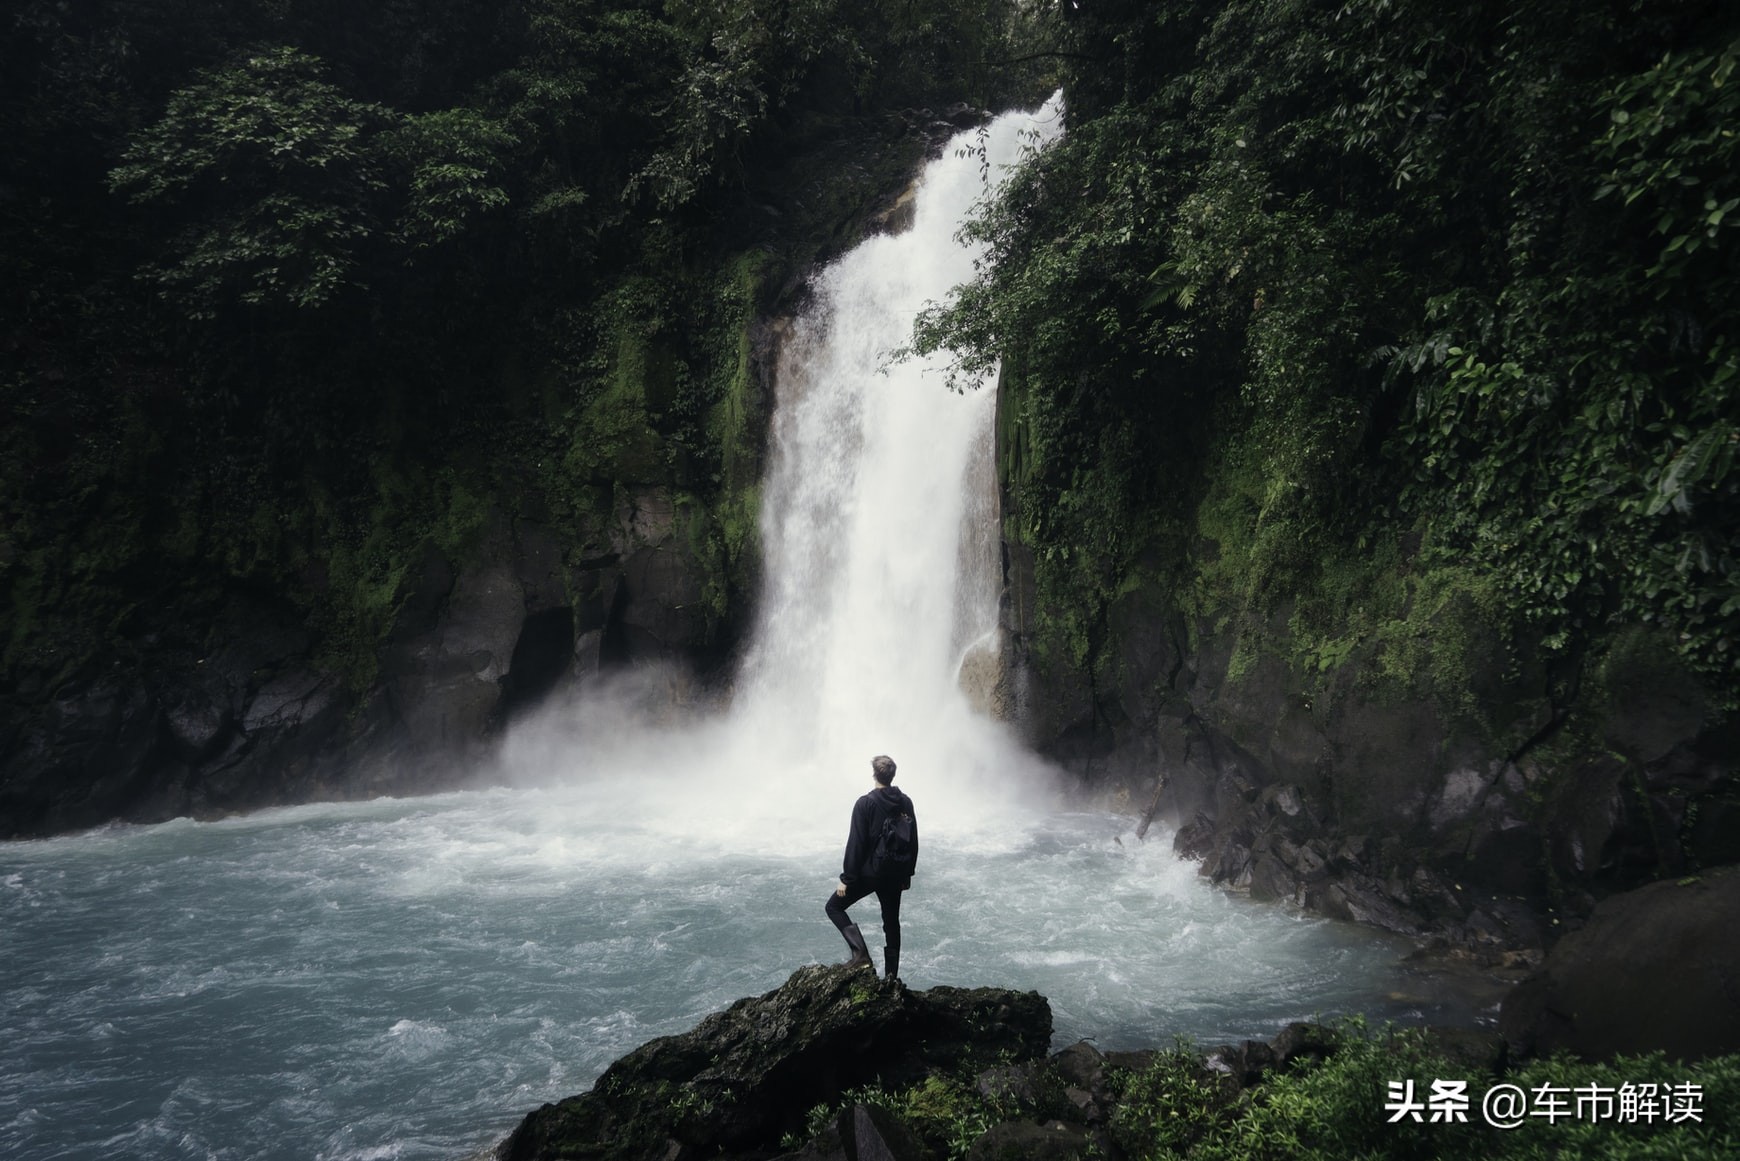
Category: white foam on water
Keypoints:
(431, 1010)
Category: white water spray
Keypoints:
(880, 570)
(881, 565)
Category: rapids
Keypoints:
(407, 978)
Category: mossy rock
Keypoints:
(745, 1076)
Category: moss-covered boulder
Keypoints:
(745, 1076)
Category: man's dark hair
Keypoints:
(882, 769)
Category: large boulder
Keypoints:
(1654, 968)
(745, 1076)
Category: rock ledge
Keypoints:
(744, 1077)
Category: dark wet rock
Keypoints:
(289, 701)
(1655, 968)
(1139, 1060)
(1308, 860)
(1351, 853)
(236, 714)
(662, 614)
(725, 1089)
(1229, 860)
(1358, 898)
(1083, 1103)
(1027, 1141)
(1502, 845)
(1479, 1049)
(1268, 879)
(1084, 1085)
(1009, 1082)
(444, 681)
(1196, 838)
(961, 115)
(1458, 797)
(1714, 836)
(538, 566)
(1299, 1042)
(197, 721)
(1245, 1063)
(899, 216)
(82, 760)
(1080, 1064)
(745, 1076)
(1583, 815)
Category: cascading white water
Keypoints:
(405, 979)
(875, 582)
(881, 570)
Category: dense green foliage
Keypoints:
(1335, 1109)
(292, 290)
(948, 1113)
(1176, 1109)
(1344, 311)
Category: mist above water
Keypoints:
(879, 534)
(406, 979)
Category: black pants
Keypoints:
(889, 897)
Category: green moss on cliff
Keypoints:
(1320, 355)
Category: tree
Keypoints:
(274, 181)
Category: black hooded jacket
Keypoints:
(867, 815)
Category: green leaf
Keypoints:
(1688, 468)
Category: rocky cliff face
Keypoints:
(1482, 804)
(241, 714)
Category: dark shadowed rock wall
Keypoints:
(1655, 969)
(243, 714)
(1463, 792)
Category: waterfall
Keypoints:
(881, 572)
(879, 515)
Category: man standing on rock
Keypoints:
(881, 852)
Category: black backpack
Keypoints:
(896, 852)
